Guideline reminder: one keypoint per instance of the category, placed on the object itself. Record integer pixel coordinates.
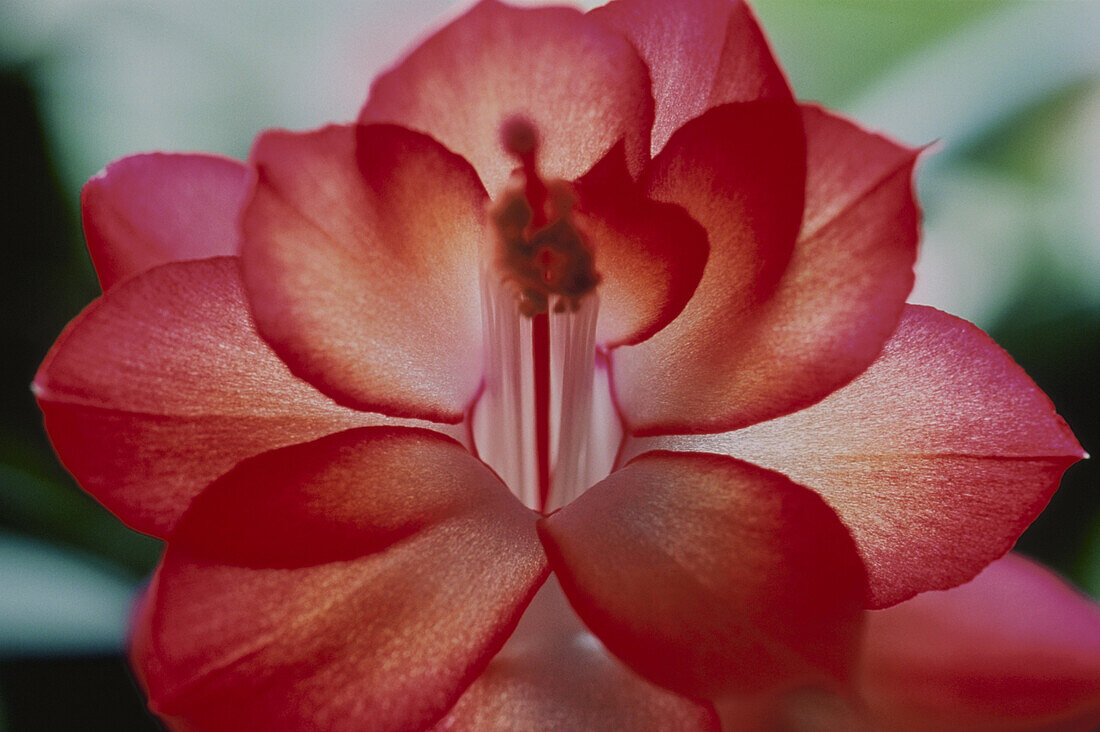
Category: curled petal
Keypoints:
(146, 210)
(700, 54)
(936, 458)
(360, 258)
(739, 170)
(650, 255)
(686, 565)
(844, 289)
(1016, 648)
(162, 385)
(361, 581)
(581, 84)
(553, 674)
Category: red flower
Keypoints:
(562, 244)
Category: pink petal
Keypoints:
(147, 210)
(936, 458)
(1016, 648)
(361, 264)
(650, 255)
(361, 581)
(553, 674)
(739, 171)
(710, 576)
(582, 85)
(700, 54)
(162, 385)
(813, 708)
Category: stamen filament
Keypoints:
(540, 351)
(539, 423)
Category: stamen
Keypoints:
(583, 429)
(534, 421)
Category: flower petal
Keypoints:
(361, 581)
(146, 210)
(936, 458)
(739, 171)
(845, 287)
(686, 565)
(162, 385)
(1016, 648)
(361, 259)
(700, 54)
(553, 674)
(816, 708)
(650, 255)
(582, 85)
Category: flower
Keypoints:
(581, 296)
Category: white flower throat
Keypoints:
(544, 420)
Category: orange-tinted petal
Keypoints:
(739, 171)
(700, 54)
(710, 576)
(554, 675)
(936, 458)
(146, 210)
(1014, 649)
(360, 258)
(361, 581)
(162, 385)
(581, 84)
(649, 255)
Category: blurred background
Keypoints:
(1011, 196)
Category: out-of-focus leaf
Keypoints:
(832, 50)
(1090, 562)
(1000, 89)
(58, 512)
(53, 601)
(977, 244)
(962, 86)
(1076, 160)
(121, 76)
(1010, 206)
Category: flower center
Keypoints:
(533, 422)
(539, 251)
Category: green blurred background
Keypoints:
(1010, 90)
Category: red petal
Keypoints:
(738, 170)
(147, 210)
(553, 674)
(649, 255)
(363, 273)
(845, 287)
(582, 85)
(710, 576)
(361, 581)
(162, 385)
(700, 54)
(936, 458)
(1016, 648)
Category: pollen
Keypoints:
(540, 252)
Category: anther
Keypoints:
(540, 251)
(519, 137)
